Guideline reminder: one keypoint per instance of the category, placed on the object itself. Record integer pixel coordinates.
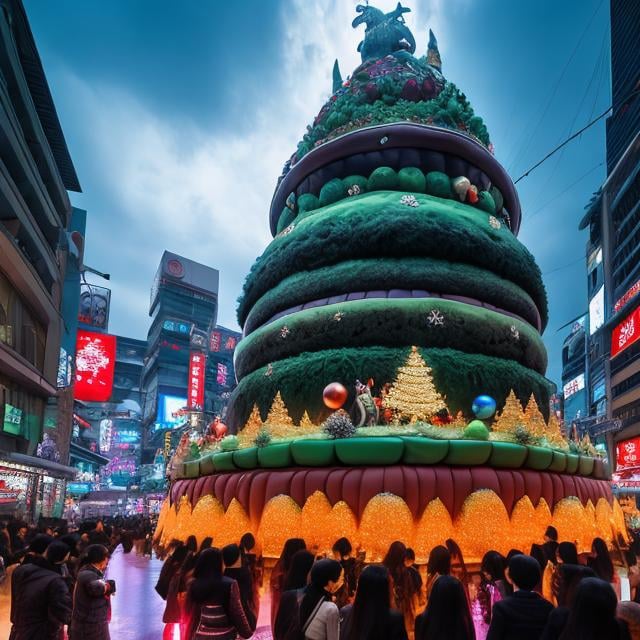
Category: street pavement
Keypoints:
(136, 607)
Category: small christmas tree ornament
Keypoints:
(278, 414)
(511, 416)
(413, 396)
(534, 420)
(305, 421)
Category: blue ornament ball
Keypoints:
(483, 407)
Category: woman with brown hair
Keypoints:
(404, 593)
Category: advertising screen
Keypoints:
(626, 333)
(573, 386)
(628, 454)
(94, 306)
(95, 362)
(170, 410)
(596, 311)
(197, 362)
(12, 420)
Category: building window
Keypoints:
(19, 328)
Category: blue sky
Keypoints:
(179, 117)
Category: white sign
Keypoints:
(596, 311)
(573, 386)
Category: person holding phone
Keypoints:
(92, 597)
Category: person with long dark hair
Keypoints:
(213, 602)
(371, 616)
(439, 564)
(175, 593)
(447, 613)
(593, 614)
(319, 617)
(342, 550)
(458, 566)
(92, 597)
(280, 570)
(571, 575)
(404, 592)
(298, 575)
(233, 569)
(192, 544)
(254, 562)
(566, 553)
(600, 560)
(169, 567)
(207, 543)
(490, 590)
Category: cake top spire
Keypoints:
(385, 33)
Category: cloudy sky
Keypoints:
(180, 115)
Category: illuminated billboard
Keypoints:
(94, 306)
(95, 363)
(573, 386)
(626, 333)
(197, 362)
(628, 454)
(171, 411)
(12, 420)
(596, 311)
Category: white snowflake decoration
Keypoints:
(338, 316)
(92, 359)
(354, 190)
(409, 201)
(494, 222)
(514, 332)
(435, 318)
(284, 332)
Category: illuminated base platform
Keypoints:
(481, 507)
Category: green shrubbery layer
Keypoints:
(430, 274)
(377, 225)
(393, 323)
(301, 379)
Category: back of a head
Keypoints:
(40, 543)
(447, 613)
(208, 565)
(538, 553)
(291, 546)
(439, 561)
(571, 575)
(298, 573)
(602, 564)
(568, 552)
(179, 556)
(230, 554)
(371, 605)
(395, 556)
(629, 612)
(493, 565)
(192, 544)
(324, 571)
(95, 553)
(342, 547)
(524, 571)
(551, 533)
(247, 542)
(454, 550)
(206, 543)
(57, 551)
(593, 615)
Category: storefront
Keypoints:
(626, 480)
(29, 492)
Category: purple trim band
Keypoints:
(399, 135)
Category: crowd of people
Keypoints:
(56, 575)
(551, 593)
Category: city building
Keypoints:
(573, 373)
(188, 373)
(36, 171)
(612, 365)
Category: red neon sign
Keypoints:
(215, 341)
(195, 392)
(633, 291)
(95, 362)
(628, 454)
(626, 333)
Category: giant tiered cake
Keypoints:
(395, 262)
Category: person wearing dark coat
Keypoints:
(524, 615)
(234, 570)
(550, 546)
(40, 601)
(92, 597)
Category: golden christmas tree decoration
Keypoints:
(534, 419)
(413, 396)
(511, 415)
(251, 428)
(255, 419)
(278, 414)
(554, 432)
(305, 421)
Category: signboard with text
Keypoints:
(626, 333)
(95, 363)
(628, 454)
(195, 390)
(632, 292)
(94, 306)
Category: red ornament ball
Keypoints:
(334, 395)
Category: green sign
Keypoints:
(12, 420)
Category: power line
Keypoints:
(561, 193)
(565, 266)
(573, 137)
